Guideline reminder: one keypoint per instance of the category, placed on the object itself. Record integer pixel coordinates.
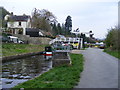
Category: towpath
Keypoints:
(100, 69)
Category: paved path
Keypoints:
(100, 70)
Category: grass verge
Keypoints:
(59, 77)
(113, 53)
(9, 49)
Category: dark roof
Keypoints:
(32, 30)
(20, 18)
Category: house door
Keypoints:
(13, 31)
(20, 31)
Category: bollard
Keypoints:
(48, 52)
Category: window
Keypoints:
(19, 23)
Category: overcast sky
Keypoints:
(95, 15)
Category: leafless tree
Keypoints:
(42, 19)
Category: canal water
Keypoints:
(21, 70)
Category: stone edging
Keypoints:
(7, 58)
(61, 61)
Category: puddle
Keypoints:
(21, 70)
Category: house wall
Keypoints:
(24, 25)
(28, 24)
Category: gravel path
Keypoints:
(100, 70)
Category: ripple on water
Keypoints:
(21, 70)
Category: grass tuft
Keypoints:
(114, 53)
(9, 49)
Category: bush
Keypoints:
(112, 39)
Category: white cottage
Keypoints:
(18, 24)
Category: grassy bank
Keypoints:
(9, 49)
(113, 53)
(59, 77)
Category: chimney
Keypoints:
(11, 13)
(24, 14)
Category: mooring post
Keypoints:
(48, 52)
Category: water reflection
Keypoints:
(23, 69)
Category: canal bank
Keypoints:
(11, 49)
(63, 76)
(20, 68)
(59, 73)
(8, 58)
(22, 62)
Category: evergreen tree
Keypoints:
(59, 29)
(54, 29)
(68, 25)
(63, 29)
